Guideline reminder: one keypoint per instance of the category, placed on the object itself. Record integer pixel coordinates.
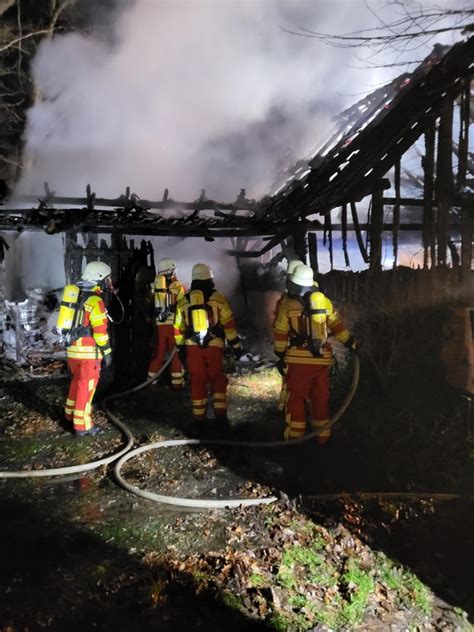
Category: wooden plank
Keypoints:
(428, 235)
(132, 202)
(344, 234)
(328, 235)
(376, 228)
(467, 234)
(463, 144)
(396, 213)
(300, 242)
(313, 251)
(444, 180)
(357, 229)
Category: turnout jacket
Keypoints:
(221, 322)
(93, 316)
(290, 321)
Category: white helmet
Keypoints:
(303, 276)
(166, 266)
(201, 272)
(292, 263)
(96, 271)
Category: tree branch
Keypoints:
(15, 41)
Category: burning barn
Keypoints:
(395, 171)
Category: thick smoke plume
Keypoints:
(187, 95)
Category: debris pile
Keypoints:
(28, 325)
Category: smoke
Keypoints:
(185, 96)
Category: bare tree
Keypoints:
(409, 31)
(23, 28)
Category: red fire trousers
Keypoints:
(307, 382)
(85, 376)
(205, 369)
(165, 343)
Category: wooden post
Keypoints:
(396, 214)
(301, 245)
(376, 228)
(328, 235)
(463, 145)
(313, 252)
(467, 234)
(444, 179)
(344, 234)
(428, 234)
(360, 241)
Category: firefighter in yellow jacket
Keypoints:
(168, 291)
(300, 331)
(88, 346)
(292, 265)
(204, 321)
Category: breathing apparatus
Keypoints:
(313, 323)
(96, 275)
(200, 328)
(165, 275)
(199, 318)
(162, 297)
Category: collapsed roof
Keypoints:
(368, 139)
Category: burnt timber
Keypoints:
(369, 140)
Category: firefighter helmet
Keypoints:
(201, 272)
(96, 271)
(166, 266)
(303, 276)
(292, 264)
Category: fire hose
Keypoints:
(93, 465)
(126, 453)
(209, 503)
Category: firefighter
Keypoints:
(203, 323)
(300, 332)
(88, 347)
(167, 292)
(292, 264)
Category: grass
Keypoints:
(411, 591)
(361, 585)
(23, 449)
(306, 561)
(257, 580)
(135, 535)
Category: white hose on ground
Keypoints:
(92, 465)
(209, 503)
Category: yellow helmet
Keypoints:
(96, 271)
(201, 272)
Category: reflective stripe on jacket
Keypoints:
(94, 315)
(290, 321)
(220, 317)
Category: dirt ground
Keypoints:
(82, 553)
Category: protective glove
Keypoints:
(107, 361)
(281, 367)
(351, 343)
(182, 353)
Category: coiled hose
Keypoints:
(93, 465)
(209, 503)
(125, 454)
